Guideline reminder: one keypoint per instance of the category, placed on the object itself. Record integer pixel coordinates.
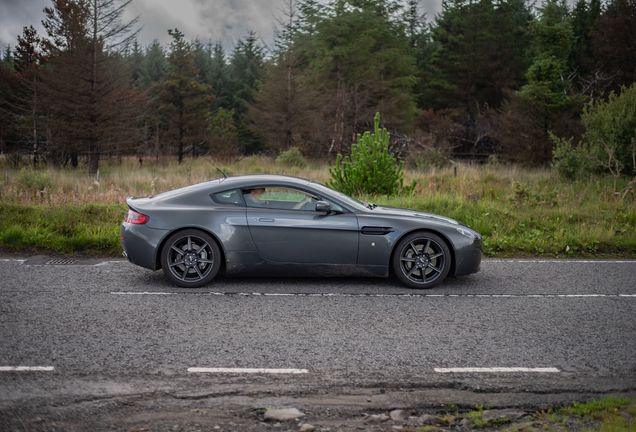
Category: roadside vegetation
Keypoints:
(609, 414)
(520, 212)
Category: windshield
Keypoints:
(345, 199)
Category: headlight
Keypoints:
(465, 232)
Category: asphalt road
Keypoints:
(107, 329)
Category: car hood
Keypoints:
(395, 211)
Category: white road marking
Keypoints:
(496, 370)
(247, 370)
(561, 261)
(211, 293)
(26, 368)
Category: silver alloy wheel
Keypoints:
(422, 260)
(190, 258)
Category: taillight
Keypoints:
(135, 218)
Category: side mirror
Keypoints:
(323, 206)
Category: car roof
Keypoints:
(262, 179)
(234, 182)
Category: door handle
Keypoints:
(266, 220)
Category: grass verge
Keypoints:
(609, 414)
(519, 213)
(64, 229)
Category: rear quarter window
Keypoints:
(231, 197)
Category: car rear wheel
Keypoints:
(190, 258)
(422, 260)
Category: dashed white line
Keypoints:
(247, 370)
(497, 370)
(26, 368)
(208, 293)
(561, 261)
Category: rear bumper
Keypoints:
(140, 244)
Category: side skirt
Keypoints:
(252, 264)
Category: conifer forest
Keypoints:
(533, 83)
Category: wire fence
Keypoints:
(188, 177)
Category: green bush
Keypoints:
(610, 128)
(13, 236)
(522, 194)
(569, 162)
(291, 158)
(371, 169)
(29, 180)
(613, 123)
(430, 158)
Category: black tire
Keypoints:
(190, 258)
(422, 260)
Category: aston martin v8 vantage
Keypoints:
(272, 225)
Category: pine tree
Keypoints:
(614, 44)
(202, 60)
(219, 79)
(554, 42)
(7, 59)
(371, 169)
(27, 104)
(480, 55)
(545, 104)
(281, 112)
(87, 85)
(358, 60)
(153, 67)
(184, 101)
(246, 70)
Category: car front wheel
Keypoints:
(190, 258)
(422, 260)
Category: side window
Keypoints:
(229, 197)
(279, 198)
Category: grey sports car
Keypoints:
(272, 225)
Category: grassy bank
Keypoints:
(63, 229)
(609, 414)
(520, 213)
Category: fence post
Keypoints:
(188, 176)
(97, 175)
(6, 177)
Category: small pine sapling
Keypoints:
(371, 169)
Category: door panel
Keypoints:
(301, 236)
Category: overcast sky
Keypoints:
(208, 20)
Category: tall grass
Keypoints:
(519, 211)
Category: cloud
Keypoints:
(17, 14)
(225, 21)
(228, 21)
(159, 16)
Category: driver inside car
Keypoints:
(252, 197)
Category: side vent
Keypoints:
(375, 230)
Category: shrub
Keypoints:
(613, 122)
(371, 169)
(569, 162)
(292, 158)
(13, 235)
(610, 132)
(522, 194)
(33, 181)
(430, 157)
